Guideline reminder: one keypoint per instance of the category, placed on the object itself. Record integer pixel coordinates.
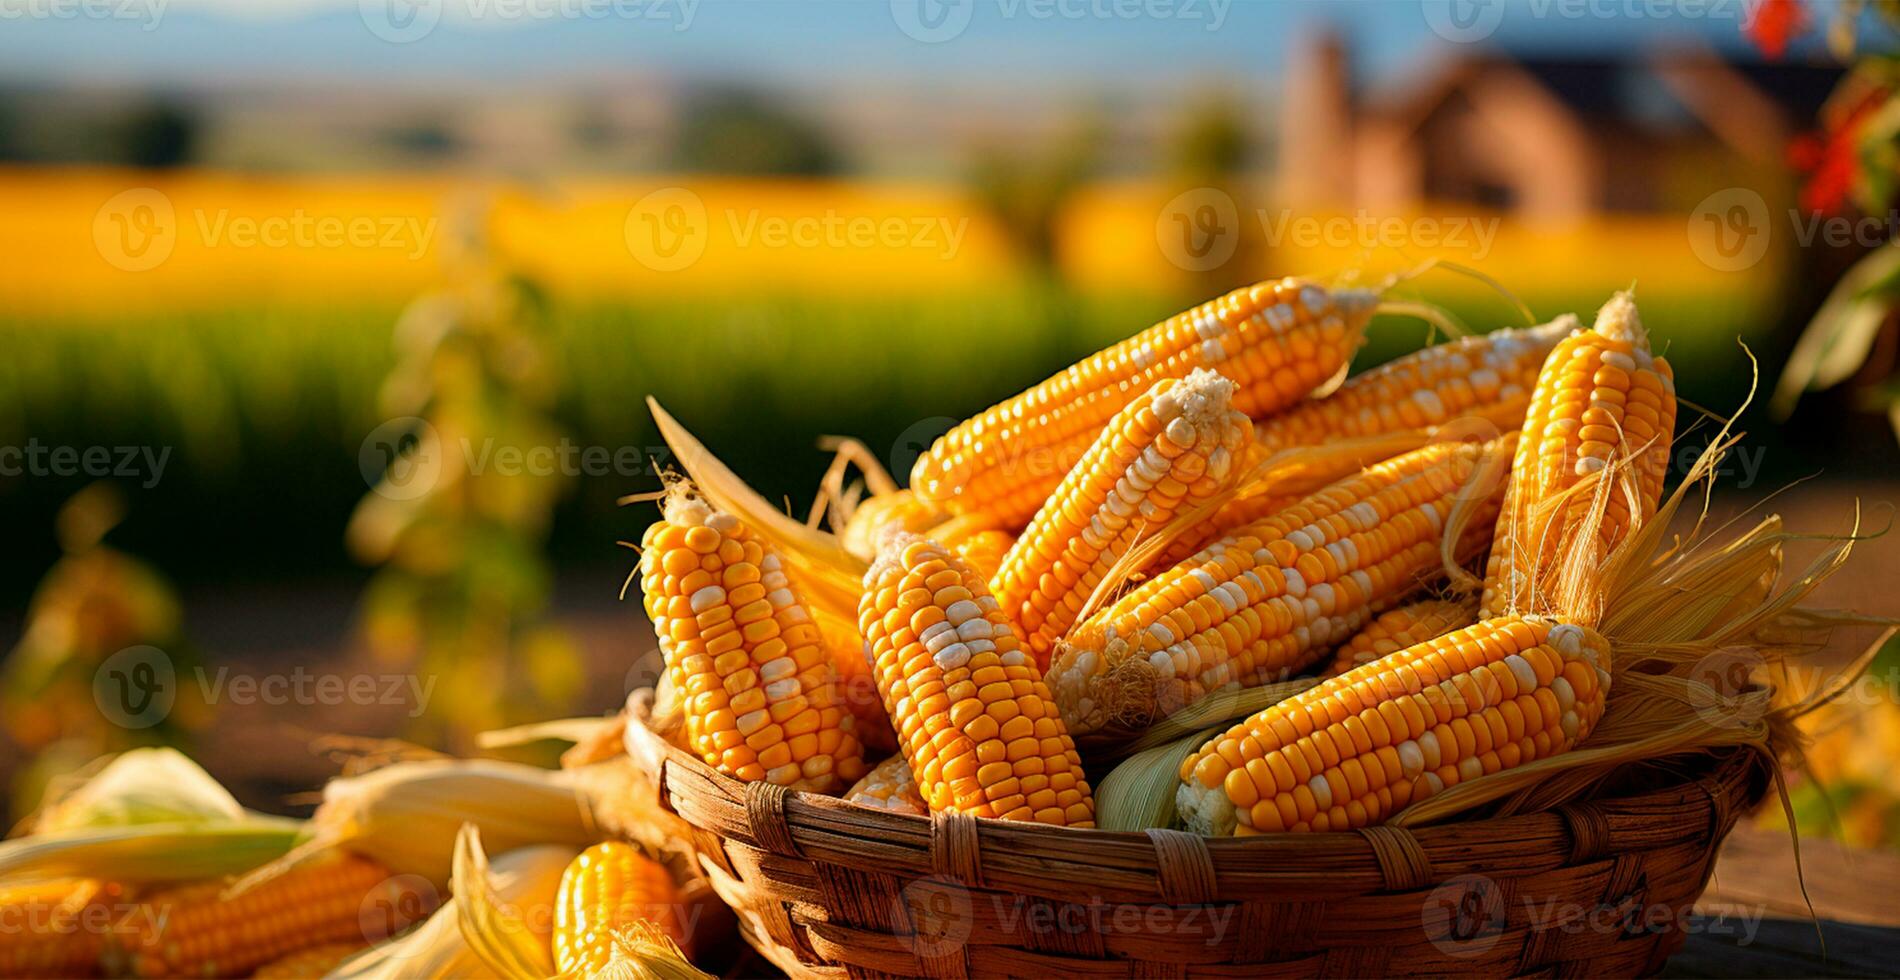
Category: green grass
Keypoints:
(265, 409)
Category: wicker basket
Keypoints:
(825, 888)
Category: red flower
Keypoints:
(1776, 23)
(1831, 158)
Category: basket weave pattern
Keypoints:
(826, 888)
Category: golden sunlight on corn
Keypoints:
(1362, 746)
(1403, 627)
(608, 889)
(1595, 442)
(1267, 600)
(743, 649)
(973, 715)
(1277, 341)
(1169, 451)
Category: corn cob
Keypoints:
(742, 648)
(973, 715)
(1490, 374)
(201, 931)
(984, 551)
(56, 927)
(1602, 405)
(1278, 341)
(856, 689)
(1404, 627)
(610, 887)
(1362, 746)
(1267, 600)
(305, 964)
(1168, 451)
(889, 786)
(876, 516)
(1487, 377)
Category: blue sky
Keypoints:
(1093, 43)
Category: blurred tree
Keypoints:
(1026, 194)
(739, 131)
(472, 468)
(12, 147)
(157, 135)
(99, 618)
(1211, 148)
(425, 139)
(1211, 140)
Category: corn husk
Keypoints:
(151, 853)
(525, 879)
(147, 816)
(406, 815)
(141, 786)
(516, 946)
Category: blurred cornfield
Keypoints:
(256, 361)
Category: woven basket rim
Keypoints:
(1175, 866)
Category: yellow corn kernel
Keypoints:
(889, 786)
(1489, 375)
(1169, 451)
(1602, 405)
(1277, 341)
(199, 930)
(900, 510)
(1270, 598)
(1363, 746)
(55, 928)
(607, 889)
(985, 551)
(1404, 627)
(741, 646)
(973, 716)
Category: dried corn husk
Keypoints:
(525, 879)
(406, 815)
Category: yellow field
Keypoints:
(87, 239)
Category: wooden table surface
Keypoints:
(1753, 922)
